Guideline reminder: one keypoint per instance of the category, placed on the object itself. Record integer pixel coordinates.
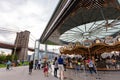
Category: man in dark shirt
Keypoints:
(61, 67)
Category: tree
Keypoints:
(2, 57)
(9, 57)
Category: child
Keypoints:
(45, 70)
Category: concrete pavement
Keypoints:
(21, 73)
(85, 75)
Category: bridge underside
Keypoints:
(73, 13)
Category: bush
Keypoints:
(2, 57)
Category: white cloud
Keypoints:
(20, 15)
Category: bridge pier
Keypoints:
(21, 45)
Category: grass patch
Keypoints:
(25, 64)
(2, 65)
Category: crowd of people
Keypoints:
(46, 66)
(81, 64)
(60, 63)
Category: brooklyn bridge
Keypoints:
(20, 46)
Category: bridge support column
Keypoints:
(36, 53)
(21, 45)
(46, 55)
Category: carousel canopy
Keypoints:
(76, 20)
(98, 46)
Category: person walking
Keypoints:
(8, 65)
(55, 63)
(61, 67)
(30, 67)
(45, 70)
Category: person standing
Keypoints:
(39, 64)
(64, 64)
(36, 64)
(30, 67)
(55, 67)
(91, 66)
(61, 67)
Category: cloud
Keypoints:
(20, 15)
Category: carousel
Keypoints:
(89, 28)
(97, 36)
(100, 50)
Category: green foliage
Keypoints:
(9, 57)
(14, 57)
(2, 65)
(25, 63)
(2, 57)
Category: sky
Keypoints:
(21, 15)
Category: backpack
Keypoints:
(60, 61)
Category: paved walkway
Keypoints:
(21, 73)
(102, 75)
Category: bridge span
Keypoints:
(12, 46)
